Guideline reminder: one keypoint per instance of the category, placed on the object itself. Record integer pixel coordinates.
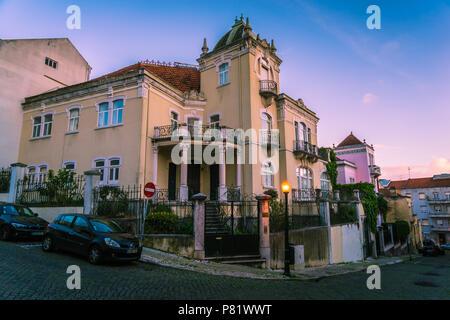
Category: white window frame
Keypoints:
(305, 193)
(110, 111)
(43, 125)
(117, 113)
(324, 181)
(224, 75)
(73, 120)
(106, 168)
(268, 174)
(63, 166)
(115, 169)
(37, 125)
(215, 124)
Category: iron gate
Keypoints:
(231, 228)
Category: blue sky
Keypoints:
(389, 86)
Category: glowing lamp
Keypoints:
(285, 187)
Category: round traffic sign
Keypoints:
(149, 189)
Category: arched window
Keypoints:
(223, 74)
(266, 121)
(305, 182)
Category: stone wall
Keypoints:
(314, 240)
(179, 244)
(4, 197)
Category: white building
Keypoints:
(29, 67)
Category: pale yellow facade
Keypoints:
(236, 100)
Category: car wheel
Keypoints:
(47, 244)
(95, 255)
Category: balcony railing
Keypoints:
(268, 88)
(306, 150)
(375, 171)
(202, 132)
(299, 195)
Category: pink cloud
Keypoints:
(368, 98)
(437, 165)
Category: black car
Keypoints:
(18, 221)
(431, 248)
(100, 239)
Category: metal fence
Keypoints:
(239, 217)
(169, 218)
(5, 178)
(51, 192)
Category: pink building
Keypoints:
(356, 162)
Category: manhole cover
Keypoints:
(425, 284)
(431, 274)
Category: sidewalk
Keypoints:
(308, 274)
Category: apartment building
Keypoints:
(129, 124)
(431, 202)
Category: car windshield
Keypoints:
(106, 226)
(17, 211)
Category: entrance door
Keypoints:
(442, 238)
(172, 181)
(193, 179)
(213, 181)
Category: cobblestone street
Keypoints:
(28, 273)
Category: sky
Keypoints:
(389, 86)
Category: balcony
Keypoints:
(375, 171)
(268, 88)
(184, 131)
(305, 150)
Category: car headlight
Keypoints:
(110, 242)
(19, 225)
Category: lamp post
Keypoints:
(286, 188)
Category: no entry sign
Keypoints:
(149, 189)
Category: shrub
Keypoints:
(112, 201)
(272, 192)
(161, 222)
(185, 227)
(401, 230)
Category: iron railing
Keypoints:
(5, 179)
(268, 87)
(203, 132)
(305, 147)
(51, 193)
(299, 195)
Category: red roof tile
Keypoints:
(419, 183)
(182, 78)
(350, 141)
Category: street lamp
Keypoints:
(286, 188)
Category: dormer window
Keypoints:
(223, 74)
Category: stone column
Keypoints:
(326, 208)
(239, 178)
(264, 227)
(155, 166)
(184, 192)
(360, 215)
(92, 179)
(337, 196)
(199, 225)
(17, 173)
(222, 175)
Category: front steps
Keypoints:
(255, 261)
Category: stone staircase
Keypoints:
(255, 261)
(213, 225)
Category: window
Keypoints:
(352, 180)
(223, 73)
(267, 173)
(437, 208)
(32, 174)
(214, 121)
(74, 116)
(425, 222)
(266, 121)
(174, 120)
(114, 167)
(109, 169)
(422, 196)
(296, 131)
(103, 114)
(80, 224)
(66, 221)
(117, 111)
(305, 183)
(42, 174)
(69, 165)
(48, 119)
(447, 195)
(51, 63)
(37, 123)
(324, 182)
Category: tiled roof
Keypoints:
(180, 77)
(419, 183)
(350, 141)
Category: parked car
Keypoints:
(445, 246)
(100, 239)
(431, 248)
(17, 221)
